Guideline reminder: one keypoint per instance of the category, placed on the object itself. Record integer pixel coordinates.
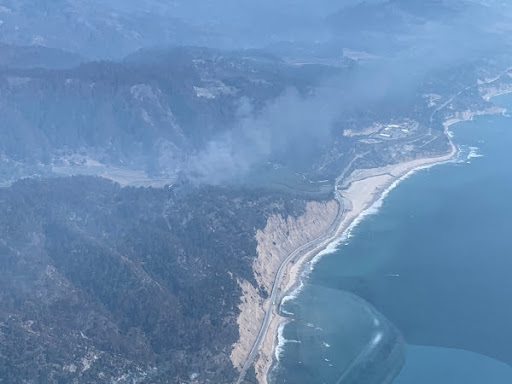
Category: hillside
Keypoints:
(148, 113)
(124, 283)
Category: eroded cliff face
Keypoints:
(280, 237)
(252, 313)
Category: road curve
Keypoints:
(274, 302)
(326, 236)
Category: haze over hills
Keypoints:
(153, 110)
(209, 137)
(34, 56)
(113, 29)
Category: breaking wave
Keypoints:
(473, 153)
(281, 341)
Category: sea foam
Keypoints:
(282, 341)
(473, 153)
(376, 340)
(333, 246)
(285, 312)
(292, 295)
(372, 210)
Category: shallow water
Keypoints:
(435, 261)
(337, 337)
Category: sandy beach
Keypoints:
(283, 260)
(359, 192)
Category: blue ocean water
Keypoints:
(427, 280)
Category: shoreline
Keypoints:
(372, 182)
(364, 191)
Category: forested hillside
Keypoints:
(103, 282)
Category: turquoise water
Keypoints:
(433, 268)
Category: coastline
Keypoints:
(364, 190)
(363, 193)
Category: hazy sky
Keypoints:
(416, 47)
(406, 40)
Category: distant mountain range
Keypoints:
(113, 28)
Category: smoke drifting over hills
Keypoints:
(395, 44)
(294, 126)
(289, 126)
(248, 110)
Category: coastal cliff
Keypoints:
(280, 237)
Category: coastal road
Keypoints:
(331, 232)
(274, 300)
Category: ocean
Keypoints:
(421, 290)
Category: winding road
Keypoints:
(274, 298)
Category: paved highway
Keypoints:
(274, 300)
